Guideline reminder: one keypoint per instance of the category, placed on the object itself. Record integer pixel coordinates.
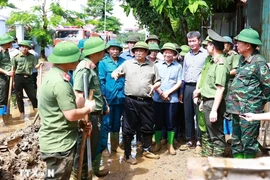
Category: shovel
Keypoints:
(7, 114)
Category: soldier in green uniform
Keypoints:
(250, 90)
(60, 111)
(23, 64)
(213, 92)
(94, 51)
(5, 68)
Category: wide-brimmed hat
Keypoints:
(65, 52)
(153, 47)
(140, 45)
(114, 43)
(169, 46)
(184, 50)
(177, 47)
(6, 39)
(229, 40)
(93, 45)
(152, 37)
(133, 38)
(249, 35)
(25, 43)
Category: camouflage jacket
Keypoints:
(250, 89)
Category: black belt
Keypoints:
(24, 75)
(140, 98)
(207, 99)
(97, 113)
(190, 83)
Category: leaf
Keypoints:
(170, 3)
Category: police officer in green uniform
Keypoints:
(23, 64)
(60, 111)
(250, 90)
(213, 93)
(5, 67)
(94, 51)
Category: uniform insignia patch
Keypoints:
(66, 77)
(264, 70)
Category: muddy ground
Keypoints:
(19, 152)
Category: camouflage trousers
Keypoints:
(244, 135)
(59, 163)
(216, 137)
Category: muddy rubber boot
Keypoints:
(250, 156)
(127, 144)
(238, 155)
(96, 166)
(106, 153)
(157, 146)
(139, 148)
(115, 143)
(170, 143)
(147, 141)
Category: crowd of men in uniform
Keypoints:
(150, 92)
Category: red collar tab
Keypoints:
(65, 76)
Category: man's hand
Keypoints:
(10, 73)
(90, 104)
(248, 116)
(181, 98)
(87, 127)
(116, 75)
(213, 116)
(165, 96)
(107, 111)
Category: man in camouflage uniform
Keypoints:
(250, 90)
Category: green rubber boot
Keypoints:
(250, 156)
(157, 146)
(171, 150)
(238, 155)
(96, 165)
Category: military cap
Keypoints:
(184, 50)
(153, 47)
(6, 39)
(140, 45)
(25, 43)
(215, 37)
(169, 46)
(229, 40)
(114, 43)
(133, 38)
(153, 37)
(249, 35)
(93, 45)
(65, 52)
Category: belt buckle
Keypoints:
(25, 76)
(140, 98)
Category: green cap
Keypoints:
(249, 36)
(114, 43)
(65, 52)
(153, 47)
(93, 45)
(6, 39)
(215, 36)
(169, 46)
(141, 45)
(25, 43)
(153, 37)
(184, 50)
(133, 38)
(176, 46)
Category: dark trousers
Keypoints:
(59, 165)
(138, 115)
(4, 86)
(25, 82)
(190, 111)
(35, 74)
(180, 121)
(165, 116)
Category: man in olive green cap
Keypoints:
(23, 64)
(154, 50)
(60, 110)
(166, 97)
(5, 68)
(212, 94)
(152, 39)
(141, 79)
(94, 52)
(249, 92)
(131, 41)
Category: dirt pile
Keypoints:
(20, 155)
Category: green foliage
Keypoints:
(112, 24)
(4, 3)
(122, 37)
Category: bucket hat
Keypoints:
(141, 45)
(114, 43)
(25, 43)
(93, 45)
(153, 37)
(6, 39)
(65, 52)
(229, 40)
(177, 47)
(249, 35)
(169, 46)
(153, 47)
(184, 50)
(133, 38)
